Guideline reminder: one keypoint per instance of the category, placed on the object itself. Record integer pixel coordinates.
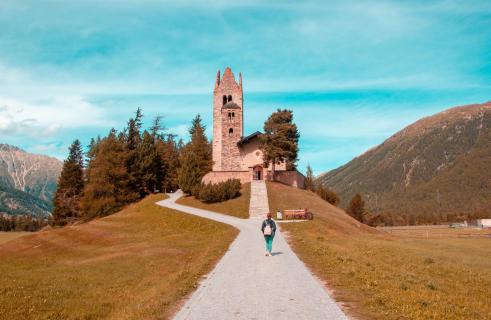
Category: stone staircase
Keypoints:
(259, 206)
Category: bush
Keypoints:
(328, 195)
(211, 193)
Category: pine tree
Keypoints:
(107, 189)
(309, 179)
(149, 165)
(356, 207)
(280, 140)
(200, 146)
(189, 173)
(70, 186)
(169, 153)
(133, 140)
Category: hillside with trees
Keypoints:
(27, 182)
(118, 169)
(435, 170)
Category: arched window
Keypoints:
(230, 116)
(224, 100)
(229, 98)
(233, 115)
(230, 132)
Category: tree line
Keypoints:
(21, 223)
(116, 170)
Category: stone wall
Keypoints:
(220, 176)
(290, 178)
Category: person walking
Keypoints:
(268, 228)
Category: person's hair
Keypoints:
(269, 215)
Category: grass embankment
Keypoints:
(380, 276)
(238, 207)
(7, 236)
(136, 264)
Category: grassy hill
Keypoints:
(335, 220)
(136, 264)
(434, 170)
(379, 276)
(238, 207)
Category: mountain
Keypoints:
(27, 181)
(437, 169)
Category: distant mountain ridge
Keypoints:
(438, 168)
(27, 181)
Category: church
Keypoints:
(234, 154)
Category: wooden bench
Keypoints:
(302, 214)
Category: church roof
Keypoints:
(231, 105)
(250, 137)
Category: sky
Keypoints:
(353, 72)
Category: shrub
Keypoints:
(211, 193)
(328, 195)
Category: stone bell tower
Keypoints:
(228, 126)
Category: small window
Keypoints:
(233, 114)
(230, 132)
(230, 116)
(224, 100)
(229, 98)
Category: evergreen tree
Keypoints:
(157, 129)
(149, 165)
(280, 140)
(107, 189)
(169, 153)
(309, 179)
(189, 173)
(66, 202)
(200, 146)
(133, 140)
(356, 207)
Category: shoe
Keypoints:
(266, 254)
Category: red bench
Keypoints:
(302, 214)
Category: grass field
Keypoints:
(136, 264)
(238, 207)
(382, 276)
(436, 232)
(8, 236)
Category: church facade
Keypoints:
(235, 155)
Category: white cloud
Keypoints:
(46, 117)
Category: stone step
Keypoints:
(259, 206)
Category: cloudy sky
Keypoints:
(353, 72)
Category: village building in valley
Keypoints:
(235, 155)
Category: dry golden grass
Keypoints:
(238, 207)
(7, 236)
(436, 232)
(136, 264)
(379, 276)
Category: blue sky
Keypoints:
(354, 72)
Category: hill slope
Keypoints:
(434, 169)
(334, 220)
(135, 264)
(27, 181)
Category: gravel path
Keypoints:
(245, 284)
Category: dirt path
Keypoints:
(245, 284)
